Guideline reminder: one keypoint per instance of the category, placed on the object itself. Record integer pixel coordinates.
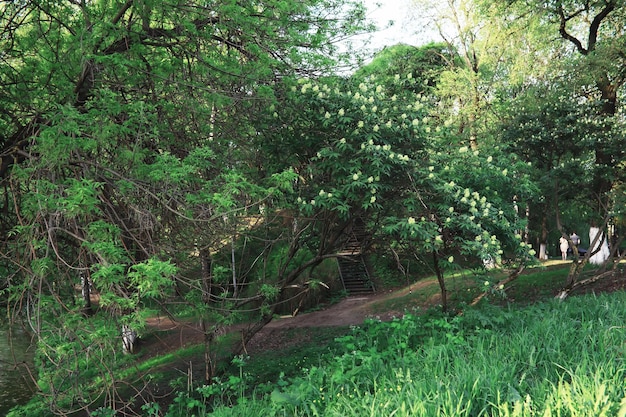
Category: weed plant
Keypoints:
(549, 359)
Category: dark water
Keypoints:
(16, 356)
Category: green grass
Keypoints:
(547, 359)
(160, 361)
(419, 295)
(308, 346)
(537, 283)
(534, 284)
(498, 359)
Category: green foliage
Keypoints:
(152, 278)
(426, 63)
(130, 142)
(152, 146)
(65, 358)
(549, 359)
(382, 158)
(386, 271)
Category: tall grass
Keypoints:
(548, 359)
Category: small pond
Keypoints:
(16, 356)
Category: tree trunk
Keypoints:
(233, 265)
(500, 285)
(442, 283)
(602, 182)
(207, 284)
(86, 292)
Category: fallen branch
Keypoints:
(512, 277)
(563, 294)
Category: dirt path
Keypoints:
(168, 335)
(349, 311)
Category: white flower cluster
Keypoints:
(386, 148)
(488, 243)
(478, 205)
(307, 85)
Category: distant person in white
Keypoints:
(601, 255)
(563, 245)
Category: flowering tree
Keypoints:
(567, 118)
(385, 158)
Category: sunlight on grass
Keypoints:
(499, 359)
(543, 281)
(549, 359)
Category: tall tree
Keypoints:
(595, 32)
(128, 145)
(384, 157)
(467, 87)
(579, 92)
(490, 62)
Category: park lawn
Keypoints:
(548, 358)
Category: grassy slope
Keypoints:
(524, 362)
(547, 358)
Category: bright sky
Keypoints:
(397, 10)
(406, 27)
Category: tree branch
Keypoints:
(566, 35)
(595, 24)
(13, 151)
(593, 27)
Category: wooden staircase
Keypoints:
(352, 269)
(354, 275)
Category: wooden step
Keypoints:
(354, 275)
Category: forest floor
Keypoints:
(354, 310)
(167, 336)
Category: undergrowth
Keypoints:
(548, 359)
(544, 359)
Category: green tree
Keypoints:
(129, 144)
(595, 30)
(382, 158)
(547, 129)
(481, 54)
(572, 110)
(426, 63)
(497, 60)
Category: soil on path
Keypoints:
(169, 335)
